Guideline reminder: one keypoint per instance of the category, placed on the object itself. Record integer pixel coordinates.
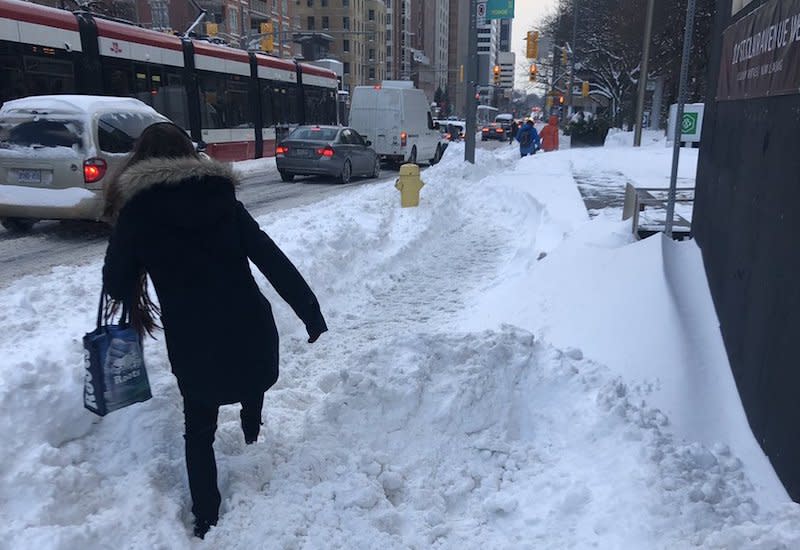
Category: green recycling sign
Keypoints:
(500, 9)
(689, 124)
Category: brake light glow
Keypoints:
(326, 152)
(499, 130)
(94, 170)
(403, 139)
(486, 130)
(377, 86)
(281, 150)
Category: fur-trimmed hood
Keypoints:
(160, 171)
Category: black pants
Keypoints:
(201, 426)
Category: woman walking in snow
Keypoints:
(178, 221)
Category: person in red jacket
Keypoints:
(549, 135)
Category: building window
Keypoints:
(372, 15)
(311, 23)
(233, 20)
(347, 68)
(346, 3)
(346, 23)
(325, 22)
(346, 46)
(372, 73)
(324, 3)
(310, 3)
(371, 54)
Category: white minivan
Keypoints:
(396, 118)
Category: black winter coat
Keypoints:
(181, 223)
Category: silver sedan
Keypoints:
(326, 151)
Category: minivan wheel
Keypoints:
(18, 225)
(412, 159)
(437, 156)
(347, 172)
(376, 172)
(286, 176)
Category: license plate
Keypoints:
(29, 176)
(304, 153)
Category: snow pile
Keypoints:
(255, 167)
(618, 138)
(501, 372)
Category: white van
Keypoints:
(396, 118)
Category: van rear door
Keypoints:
(376, 115)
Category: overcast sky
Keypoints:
(527, 13)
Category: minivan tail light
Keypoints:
(326, 151)
(94, 170)
(403, 139)
(281, 150)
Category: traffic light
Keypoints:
(564, 59)
(496, 72)
(560, 99)
(585, 88)
(533, 72)
(533, 45)
(549, 101)
(212, 29)
(267, 37)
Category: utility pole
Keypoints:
(648, 30)
(572, 60)
(676, 146)
(472, 79)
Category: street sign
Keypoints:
(481, 10)
(500, 9)
(691, 123)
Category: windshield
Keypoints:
(314, 134)
(38, 132)
(117, 132)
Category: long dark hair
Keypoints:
(159, 140)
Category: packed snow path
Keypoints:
(432, 415)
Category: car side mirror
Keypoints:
(201, 146)
(368, 143)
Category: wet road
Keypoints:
(51, 243)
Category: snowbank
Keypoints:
(619, 138)
(501, 372)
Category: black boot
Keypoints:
(201, 527)
(251, 426)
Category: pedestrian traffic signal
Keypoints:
(496, 71)
(533, 45)
(585, 88)
(267, 37)
(533, 72)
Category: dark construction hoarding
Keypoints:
(761, 53)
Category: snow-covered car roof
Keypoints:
(74, 104)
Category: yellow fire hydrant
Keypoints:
(409, 184)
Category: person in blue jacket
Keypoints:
(528, 139)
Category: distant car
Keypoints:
(326, 151)
(57, 154)
(493, 131)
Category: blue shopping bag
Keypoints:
(115, 374)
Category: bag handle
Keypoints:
(124, 319)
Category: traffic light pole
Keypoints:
(472, 79)
(570, 99)
(648, 30)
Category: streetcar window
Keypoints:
(117, 132)
(266, 104)
(39, 131)
(320, 105)
(284, 103)
(224, 101)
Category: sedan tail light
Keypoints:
(499, 130)
(403, 139)
(94, 170)
(281, 150)
(326, 152)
